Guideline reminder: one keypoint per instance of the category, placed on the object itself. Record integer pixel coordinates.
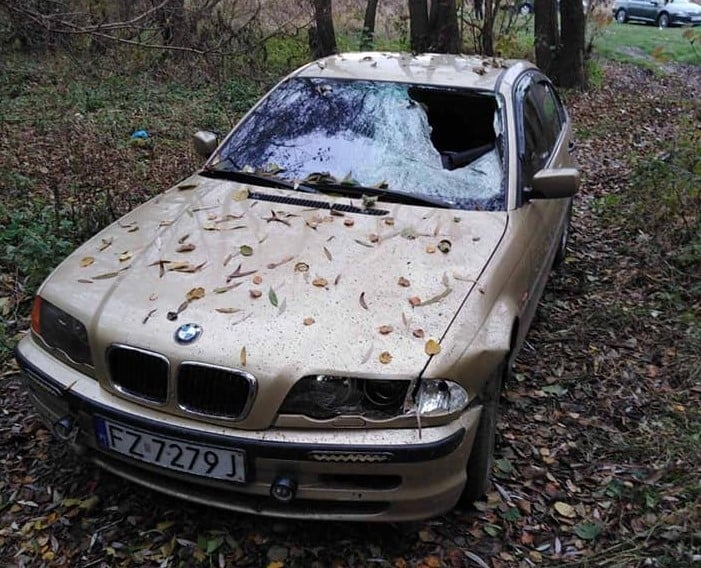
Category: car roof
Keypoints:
(465, 71)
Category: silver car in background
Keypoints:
(662, 13)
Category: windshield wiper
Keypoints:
(257, 178)
(383, 194)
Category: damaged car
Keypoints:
(318, 323)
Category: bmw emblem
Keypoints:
(188, 333)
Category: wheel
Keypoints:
(663, 20)
(564, 240)
(621, 16)
(479, 464)
(525, 9)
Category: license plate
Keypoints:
(171, 453)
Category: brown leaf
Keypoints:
(195, 294)
(385, 329)
(430, 249)
(105, 243)
(186, 186)
(327, 252)
(309, 321)
(257, 279)
(320, 282)
(565, 510)
(415, 301)
(255, 293)
(285, 260)
(301, 267)
(348, 222)
(363, 303)
(86, 261)
(242, 356)
(186, 247)
(385, 357)
(403, 282)
(418, 333)
(227, 310)
(126, 255)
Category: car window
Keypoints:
(427, 141)
(541, 121)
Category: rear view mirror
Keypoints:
(554, 183)
(205, 143)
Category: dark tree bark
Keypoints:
(443, 27)
(322, 37)
(491, 7)
(418, 20)
(546, 34)
(568, 70)
(367, 40)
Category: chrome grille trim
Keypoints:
(129, 368)
(192, 399)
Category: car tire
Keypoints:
(479, 464)
(561, 252)
(663, 20)
(621, 16)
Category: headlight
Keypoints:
(61, 331)
(324, 397)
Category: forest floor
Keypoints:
(598, 460)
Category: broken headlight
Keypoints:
(61, 332)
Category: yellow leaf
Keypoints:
(240, 195)
(86, 261)
(432, 347)
(276, 564)
(385, 357)
(195, 294)
(243, 356)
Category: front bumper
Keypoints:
(350, 474)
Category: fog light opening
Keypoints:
(283, 489)
(65, 428)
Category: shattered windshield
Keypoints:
(426, 141)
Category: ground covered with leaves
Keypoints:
(598, 445)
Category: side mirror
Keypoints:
(205, 143)
(554, 184)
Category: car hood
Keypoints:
(279, 288)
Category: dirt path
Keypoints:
(582, 473)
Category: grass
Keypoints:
(649, 45)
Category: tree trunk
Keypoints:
(568, 70)
(322, 37)
(443, 27)
(367, 40)
(490, 8)
(546, 34)
(418, 18)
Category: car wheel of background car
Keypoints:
(479, 464)
(621, 16)
(564, 240)
(525, 8)
(663, 20)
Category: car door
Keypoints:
(544, 140)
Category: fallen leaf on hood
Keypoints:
(418, 333)
(126, 255)
(148, 315)
(211, 226)
(272, 296)
(327, 252)
(257, 279)
(106, 275)
(385, 357)
(301, 267)
(187, 247)
(238, 274)
(223, 289)
(86, 261)
(363, 303)
(389, 221)
(430, 249)
(432, 347)
(105, 243)
(403, 282)
(337, 280)
(187, 267)
(385, 329)
(435, 299)
(227, 310)
(182, 239)
(348, 222)
(285, 260)
(133, 229)
(240, 195)
(309, 321)
(415, 301)
(85, 281)
(374, 238)
(195, 294)
(255, 293)
(245, 250)
(186, 186)
(320, 282)
(243, 356)
(363, 243)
